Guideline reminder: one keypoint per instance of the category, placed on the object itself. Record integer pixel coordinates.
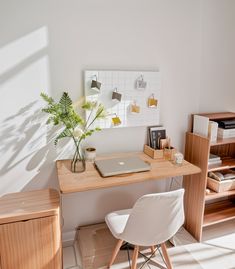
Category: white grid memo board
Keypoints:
(125, 83)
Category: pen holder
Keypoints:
(169, 153)
(153, 153)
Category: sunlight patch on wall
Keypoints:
(24, 135)
(14, 53)
(25, 86)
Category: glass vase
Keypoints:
(78, 163)
(78, 166)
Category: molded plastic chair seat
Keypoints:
(153, 220)
(116, 221)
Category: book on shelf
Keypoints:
(200, 125)
(222, 176)
(227, 124)
(214, 159)
(212, 131)
(226, 133)
(204, 127)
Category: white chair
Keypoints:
(153, 220)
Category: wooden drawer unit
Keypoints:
(30, 234)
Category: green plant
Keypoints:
(74, 126)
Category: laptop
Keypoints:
(117, 166)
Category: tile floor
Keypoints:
(216, 251)
(69, 258)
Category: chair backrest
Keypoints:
(155, 218)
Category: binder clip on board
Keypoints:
(152, 102)
(116, 95)
(135, 108)
(140, 83)
(95, 84)
(116, 120)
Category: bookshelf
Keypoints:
(203, 209)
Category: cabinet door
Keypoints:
(31, 244)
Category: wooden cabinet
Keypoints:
(203, 209)
(30, 234)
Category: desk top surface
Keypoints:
(90, 179)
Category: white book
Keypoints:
(200, 125)
(212, 131)
(214, 157)
(226, 133)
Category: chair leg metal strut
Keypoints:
(164, 255)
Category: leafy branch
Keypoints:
(75, 127)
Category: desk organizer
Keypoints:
(153, 153)
(166, 153)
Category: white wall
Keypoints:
(218, 56)
(46, 45)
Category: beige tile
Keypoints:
(69, 257)
(96, 245)
(215, 252)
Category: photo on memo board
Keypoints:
(125, 83)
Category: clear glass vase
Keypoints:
(78, 163)
(78, 166)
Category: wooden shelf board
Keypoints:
(215, 195)
(221, 141)
(218, 212)
(226, 164)
(218, 115)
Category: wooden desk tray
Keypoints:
(160, 153)
(220, 186)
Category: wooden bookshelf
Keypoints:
(216, 195)
(219, 212)
(223, 141)
(219, 115)
(203, 209)
(226, 164)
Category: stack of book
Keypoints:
(214, 159)
(226, 129)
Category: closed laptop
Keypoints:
(117, 166)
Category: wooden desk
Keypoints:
(90, 179)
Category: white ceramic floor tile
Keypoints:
(78, 255)
(69, 260)
(216, 251)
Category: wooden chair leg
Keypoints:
(134, 257)
(115, 252)
(166, 256)
(152, 249)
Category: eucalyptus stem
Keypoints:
(88, 119)
(94, 119)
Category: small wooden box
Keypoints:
(168, 153)
(153, 153)
(220, 186)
